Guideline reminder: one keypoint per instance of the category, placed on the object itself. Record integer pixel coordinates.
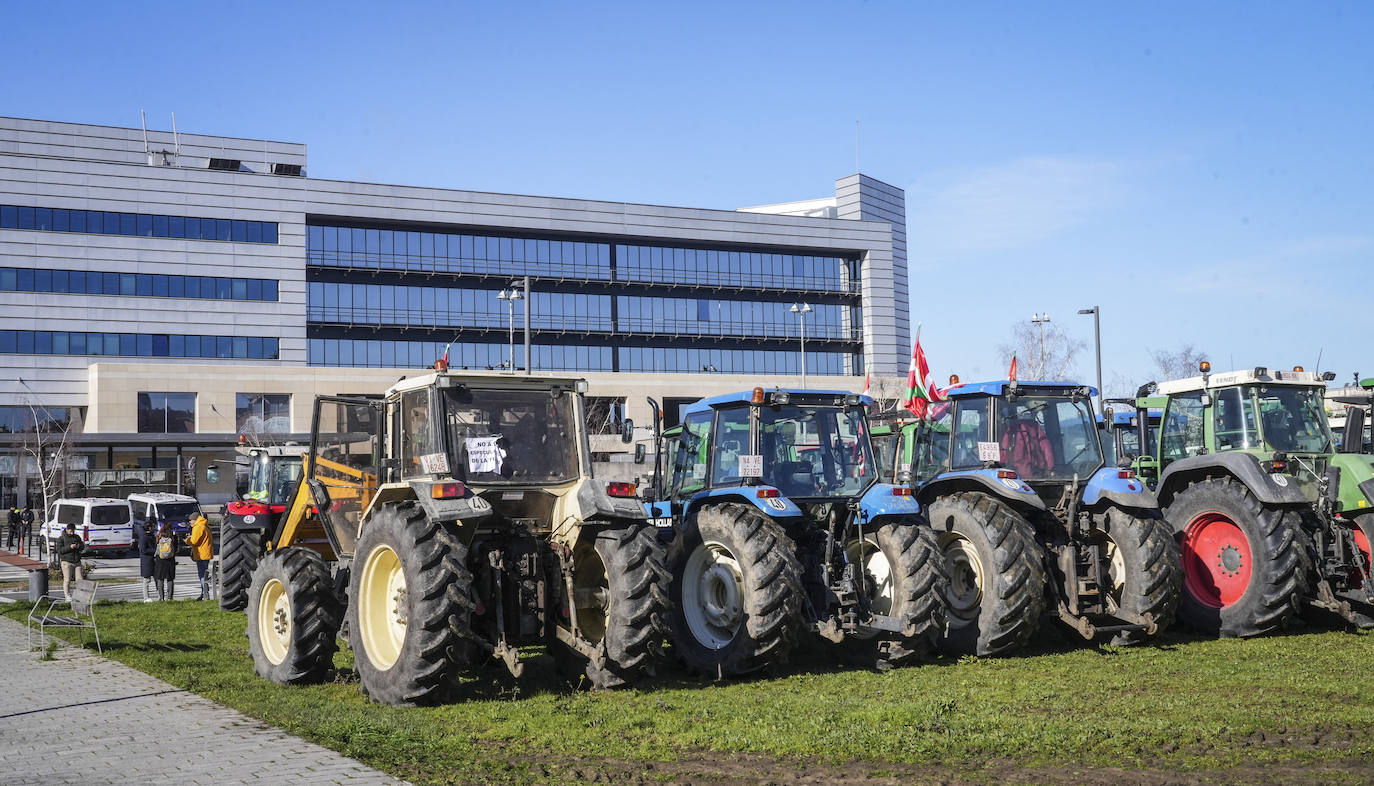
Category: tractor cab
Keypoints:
(273, 473)
(1125, 429)
(1044, 432)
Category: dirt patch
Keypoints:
(713, 769)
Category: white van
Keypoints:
(175, 509)
(103, 523)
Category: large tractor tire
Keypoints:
(620, 599)
(238, 558)
(904, 577)
(410, 607)
(1145, 576)
(293, 617)
(736, 591)
(1243, 566)
(996, 574)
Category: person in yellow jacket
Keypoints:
(202, 551)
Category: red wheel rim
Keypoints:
(1216, 560)
(1362, 542)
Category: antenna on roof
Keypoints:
(176, 138)
(856, 147)
(144, 117)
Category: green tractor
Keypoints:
(1271, 520)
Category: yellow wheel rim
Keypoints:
(591, 594)
(383, 606)
(274, 621)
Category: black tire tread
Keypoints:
(1146, 545)
(316, 616)
(1284, 577)
(638, 580)
(238, 557)
(1011, 611)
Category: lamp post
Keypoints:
(801, 310)
(510, 295)
(1040, 320)
(1097, 343)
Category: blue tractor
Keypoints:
(1033, 520)
(778, 525)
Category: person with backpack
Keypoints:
(146, 534)
(70, 547)
(165, 562)
(202, 550)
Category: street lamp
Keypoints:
(1040, 320)
(801, 310)
(1097, 342)
(510, 295)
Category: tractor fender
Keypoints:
(455, 509)
(1107, 484)
(774, 507)
(880, 501)
(1011, 490)
(597, 504)
(1242, 466)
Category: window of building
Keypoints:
(166, 413)
(263, 413)
(134, 224)
(22, 419)
(58, 342)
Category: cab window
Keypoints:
(732, 441)
(416, 430)
(1183, 427)
(689, 461)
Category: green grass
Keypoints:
(1196, 705)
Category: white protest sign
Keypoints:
(989, 451)
(751, 466)
(484, 455)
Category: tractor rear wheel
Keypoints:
(1364, 536)
(410, 607)
(996, 575)
(1243, 573)
(293, 617)
(736, 591)
(1143, 570)
(904, 577)
(620, 588)
(238, 557)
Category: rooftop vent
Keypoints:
(226, 164)
(294, 170)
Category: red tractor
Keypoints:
(274, 472)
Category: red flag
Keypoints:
(920, 390)
(1011, 372)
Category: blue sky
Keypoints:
(1200, 171)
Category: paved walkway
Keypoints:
(106, 568)
(82, 719)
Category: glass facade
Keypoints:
(263, 413)
(166, 413)
(154, 345)
(79, 282)
(96, 222)
(638, 297)
(17, 420)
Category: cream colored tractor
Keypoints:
(455, 520)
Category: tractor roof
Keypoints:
(1000, 387)
(799, 395)
(503, 380)
(1255, 375)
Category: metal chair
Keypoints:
(82, 616)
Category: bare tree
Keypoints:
(1048, 356)
(1177, 363)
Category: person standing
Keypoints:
(202, 550)
(146, 536)
(25, 528)
(13, 529)
(69, 550)
(165, 562)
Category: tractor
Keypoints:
(1354, 433)
(1272, 521)
(456, 520)
(1033, 520)
(778, 525)
(273, 474)
(1121, 427)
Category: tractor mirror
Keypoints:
(627, 431)
(639, 453)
